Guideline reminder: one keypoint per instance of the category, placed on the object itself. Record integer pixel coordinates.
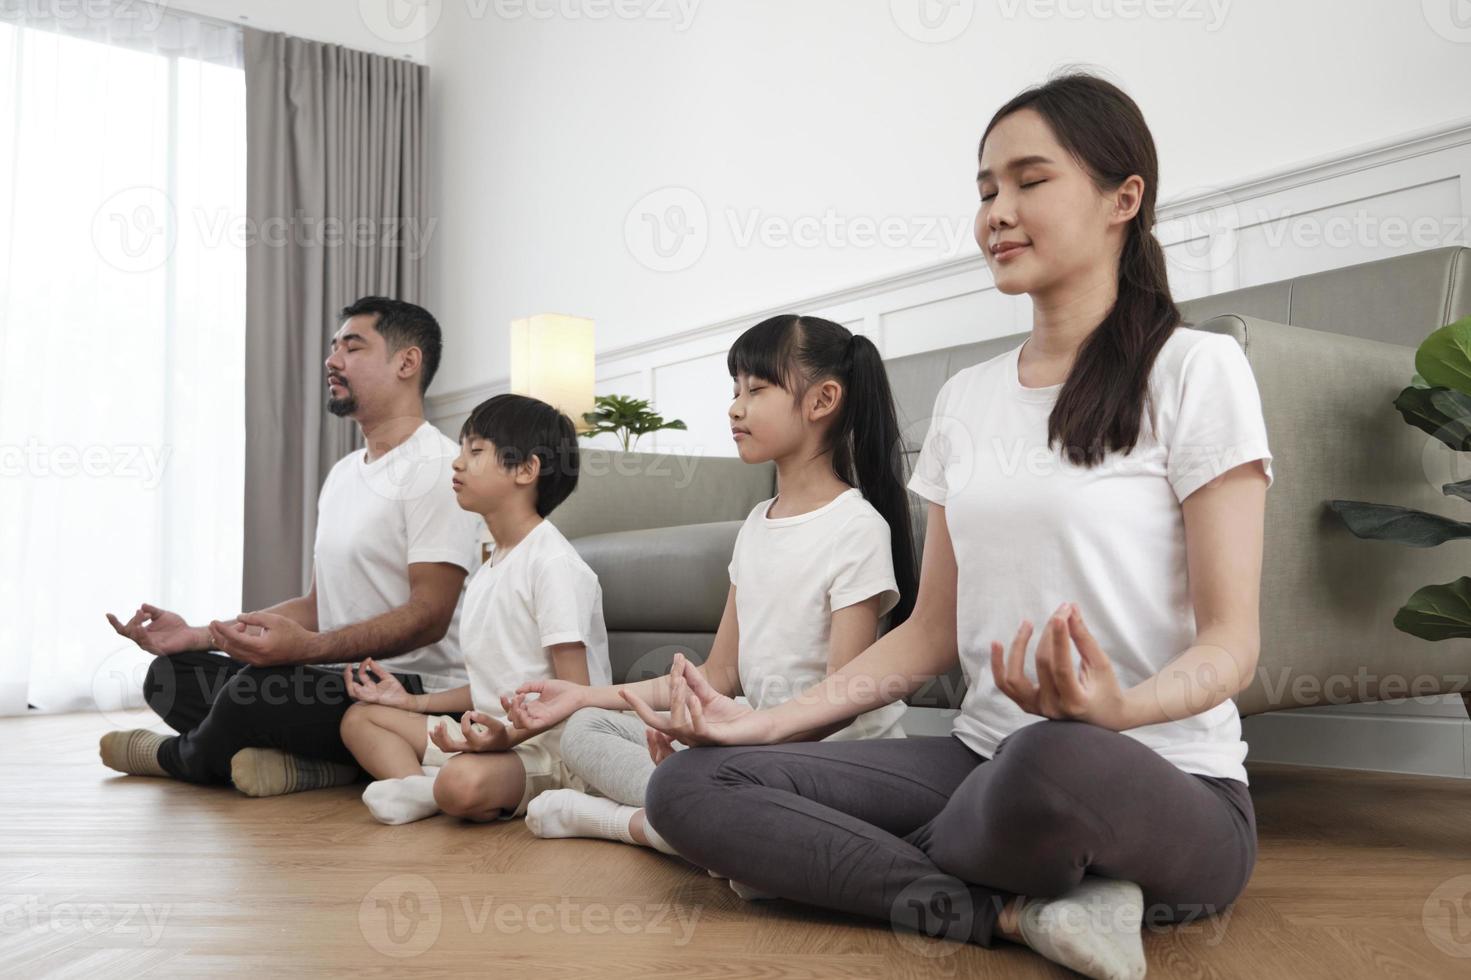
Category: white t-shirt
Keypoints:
(536, 595)
(376, 519)
(1031, 530)
(790, 575)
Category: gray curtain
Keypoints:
(335, 184)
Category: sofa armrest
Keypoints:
(619, 491)
(1328, 597)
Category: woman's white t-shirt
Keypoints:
(1031, 530)
(790, 575)
(536, 595)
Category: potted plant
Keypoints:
(1437, 401)
(626, 417)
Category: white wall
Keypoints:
(548, 132)
(397, 28)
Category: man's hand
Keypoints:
(480, 733)
(161, 632)
(263, 639)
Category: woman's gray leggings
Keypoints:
(928, 835)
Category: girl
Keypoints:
(1069, 793)
(814, 570)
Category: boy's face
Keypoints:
(481, 483)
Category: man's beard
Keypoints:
(342, 407)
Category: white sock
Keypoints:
(570, 813)
(396, 801)
(1093, 929)
(750, 894)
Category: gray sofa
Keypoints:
(1330, 351)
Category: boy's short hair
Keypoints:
(523, 427)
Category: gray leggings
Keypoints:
(932, 837)
(607, 749)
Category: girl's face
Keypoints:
(766, 421)
(1042, 221)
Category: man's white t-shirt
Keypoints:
(1031, 530)
(790, 575)
(376, 519)
(535, 595)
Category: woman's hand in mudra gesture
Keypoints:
(701, 715)
(1090, 693)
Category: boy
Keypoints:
(533, 610)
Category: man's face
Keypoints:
(359, 366)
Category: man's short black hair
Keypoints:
(523, 427)
(404, 325)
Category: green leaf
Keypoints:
(1462, 489)
(1438, 612)
(1442, 412)
(1444, 357)
(1418, 382)
(1387, 522)
(628, 418)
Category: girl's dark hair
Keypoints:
(1101, 404)
(522, 427)
(796, 352)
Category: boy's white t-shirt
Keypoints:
(1031, 530)
(536, 595)
(790, 575)
(376, 519)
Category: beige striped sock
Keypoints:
(271, 772)
(134, 752)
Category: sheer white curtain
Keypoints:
(122, 319)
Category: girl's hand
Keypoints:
(374, 685)
(701, 715)
(480, 733)
(556, 702)
(661, 746)
(1091, 693)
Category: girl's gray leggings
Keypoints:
(607, 749)
(932, 837)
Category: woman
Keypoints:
(1110, 475)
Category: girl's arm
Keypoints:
(922, 647)
(558, 701)
(853, 631)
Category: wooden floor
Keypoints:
(102, 875)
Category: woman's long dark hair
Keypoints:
(1101, 405)
(796, 352)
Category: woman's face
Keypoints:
(1042, 221)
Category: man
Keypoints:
(391, 554)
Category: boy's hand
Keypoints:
(374, 685)
(556, 702)
(481, 733)
(160, 632)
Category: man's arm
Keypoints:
(434, 590)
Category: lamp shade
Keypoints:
(552, 359)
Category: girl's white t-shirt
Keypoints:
(1031, 530)
(536, 595)
(790, 575)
